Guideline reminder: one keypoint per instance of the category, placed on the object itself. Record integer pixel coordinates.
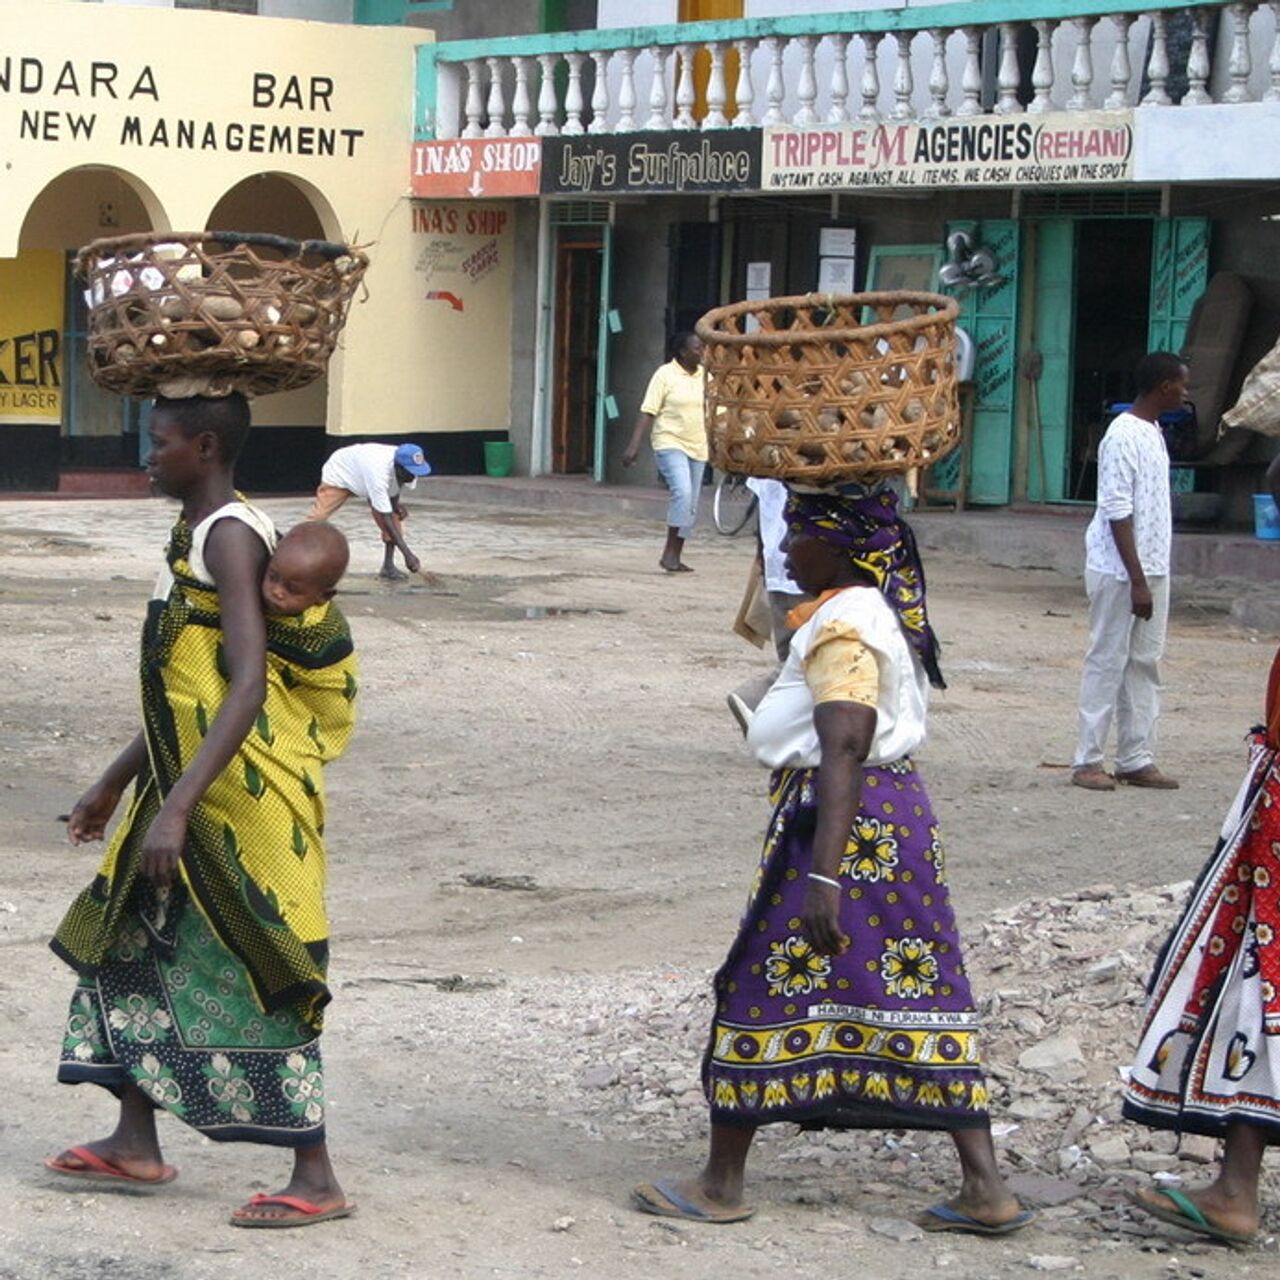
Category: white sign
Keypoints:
(1057, 149)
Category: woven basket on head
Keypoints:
(209, 312)
(801, 389)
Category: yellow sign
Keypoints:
(32, 289)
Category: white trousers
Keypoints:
(1121, 673)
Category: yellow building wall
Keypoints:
(118, 118)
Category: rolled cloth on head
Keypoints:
(866, 525)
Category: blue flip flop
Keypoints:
(942, 1217)
(1183, 1212)
(664, 1201)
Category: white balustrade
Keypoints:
(870, 109)
(658, 89)
(744, 92)
(600, 93)
(813, 77)
(1121, 71)
(1009, 76)
(686, 96)
(807, 86)
(1241, 65)
(775, 89)
(1082, 65)
(626, 91)
(1157, 94)
(521, 103)
(903, 78)
(939, 79)
(475, 101)
(546, 126)
(717, 90)
(497, 105)
(971, 82)
(573, 100)
(1042, 72)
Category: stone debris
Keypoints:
(897, 1229)
(1061, 987)
(1052, 1262)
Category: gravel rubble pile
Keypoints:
(1061, 985)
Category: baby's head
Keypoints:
(307, 566)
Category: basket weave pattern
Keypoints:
(210, 312)
(800, 389)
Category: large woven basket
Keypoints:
(802, 389)
(209, 312)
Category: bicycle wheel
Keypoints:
(732, 505)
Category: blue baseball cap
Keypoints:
(411, 458)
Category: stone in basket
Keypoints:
(824, 388)
(210, 312)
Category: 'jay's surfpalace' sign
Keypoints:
(1076, 148)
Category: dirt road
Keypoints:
(504, 1063)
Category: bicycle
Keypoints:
(733, 504)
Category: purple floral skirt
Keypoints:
(883, 1036)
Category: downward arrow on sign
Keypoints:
(476, 187)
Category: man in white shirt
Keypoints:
(1128, 547)
(376, 473)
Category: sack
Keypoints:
(1258, 408)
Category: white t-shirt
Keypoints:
(1133, 480)
(368, 471)
(773, 527)
(782, 732)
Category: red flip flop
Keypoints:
(93, 1168)
(305, 1212)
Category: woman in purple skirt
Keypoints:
(844, 1001)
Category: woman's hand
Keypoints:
(820, 919)
(165, 840)
(92, 812)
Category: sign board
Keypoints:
(1078, 148)
(477, 167)
(627, 164)
(31, 304)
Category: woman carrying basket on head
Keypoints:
(672, 414)
(844, 1001)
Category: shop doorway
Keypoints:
(1106, 291)
(578, 376)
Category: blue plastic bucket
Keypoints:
(1266, 519)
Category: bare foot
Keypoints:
(392, 574)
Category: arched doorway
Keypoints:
(288, 446)
(74, 425)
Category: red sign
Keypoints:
(482, 168)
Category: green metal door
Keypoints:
(990, 316)
(1179, 274)
(1052, 335)
(606, 406)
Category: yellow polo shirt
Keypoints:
(675, 399)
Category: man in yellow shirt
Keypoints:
(672, 410)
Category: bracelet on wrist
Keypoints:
(835, 884)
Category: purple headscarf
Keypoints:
(881, 544)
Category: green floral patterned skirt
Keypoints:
(172, 1011)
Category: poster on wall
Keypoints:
(31, 307)
(1076, 148)
(464, 262)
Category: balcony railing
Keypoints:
(914, 63)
